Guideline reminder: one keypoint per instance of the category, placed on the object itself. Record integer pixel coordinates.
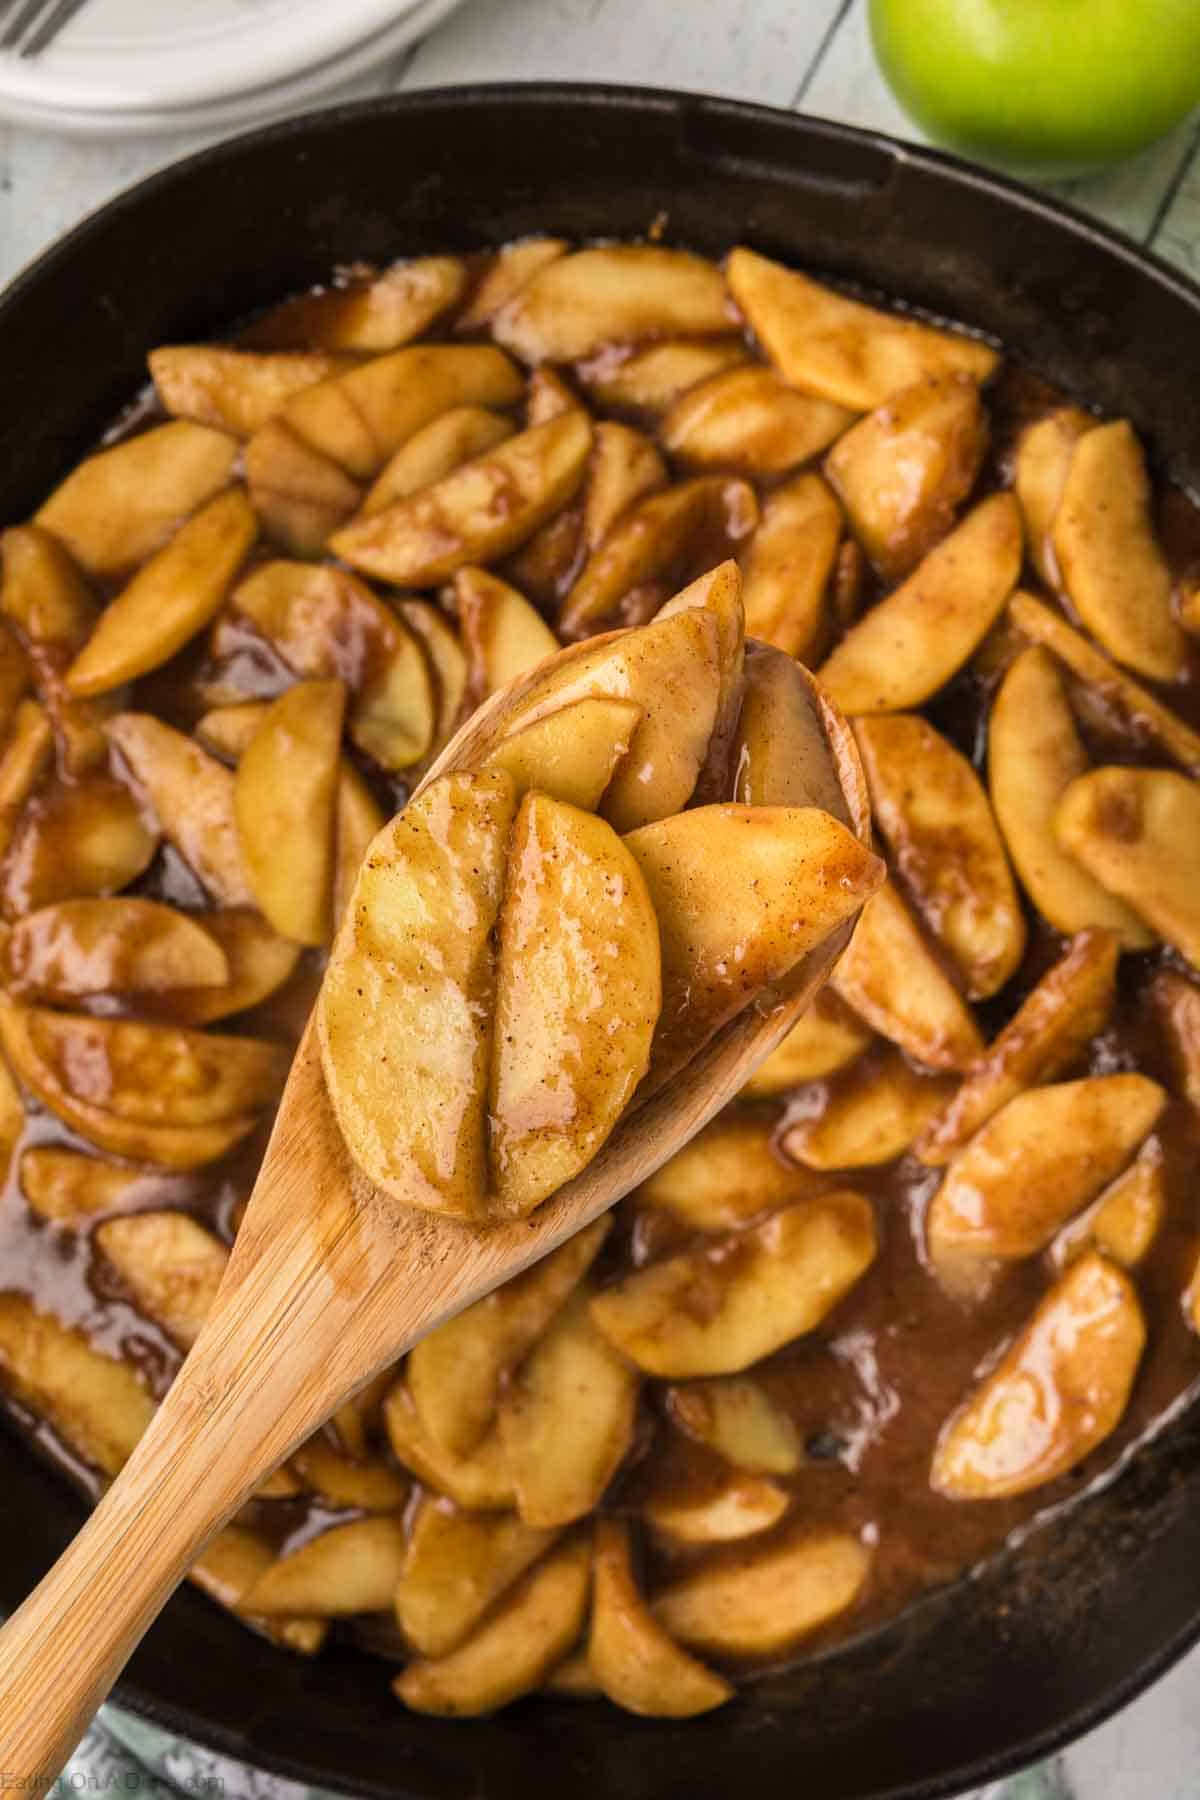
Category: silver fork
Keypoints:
(36, 23)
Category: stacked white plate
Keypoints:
(142, 66)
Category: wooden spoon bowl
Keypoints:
(330, 1280)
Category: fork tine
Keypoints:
(52, 23)
(35, 23)
(26, 15)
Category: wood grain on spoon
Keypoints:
(329, 1281)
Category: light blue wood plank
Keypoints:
(848, 85)
(48, 182)
(1178, 234)
(753, 49)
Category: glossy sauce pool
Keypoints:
(869, 1391)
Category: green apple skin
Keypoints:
(1043, 86)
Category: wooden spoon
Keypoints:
(329, 1281)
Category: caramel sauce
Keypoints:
(870, 1390)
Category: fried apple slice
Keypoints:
(902, 472)
(172, 597)
(300, 496)
(527, 1633)
(788, 564)
(12, 1119)
(578, 994)
(410, 986)
(238, 391)
(736, 1418)
(1189, 607)
(455, 1566)
(719, 593)
(569, 754)
(824, 343)
(453, 438)
(722, 1512)
(85, 838)
(54, 613)
(15, 673)
(327, 624)
(1145, 718)
(68, 1188)
(456, 1372)
(1175, 1008)
(23, 762)
(481, 510)
(1137, 832)
(97, 1405)
(259, 961)
(762, 1600)
(572, 1679)
(346, 1569)
(200, 1078)
(750, 420)
(773, 881)
(361, 418)
(671, 668)
(446, 659)
(1114, 572)
(504, 275)
(171, 1265)
(632, 1657)
(84, 947)
(502, 634)
(1038, 1161)
(116, 507)
(1040, 469)
(1034, 754)
(477, 1480)
(547, 397)
(912, 642)
(1124, 1221)
(1049, 1031)
(39, 1047)
(566, 1418)
(826, 1039)
(657, 546)
(781, 750)
(1057, 1392)
(284, 800)
(890, 978)
(625, 467)
(374, 312)
(650, 380)
(357, 819)
(231, 1564)
(718, 1309)
(871, 1116)
(616, 294)
(931, 808)
(191, 797)
(368, 1485)
(728, 1175)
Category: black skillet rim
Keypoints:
(1018, 200)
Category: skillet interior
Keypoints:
(1056, 1635)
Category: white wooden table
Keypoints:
(809, 54)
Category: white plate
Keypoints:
(160, 55)
(223, 110)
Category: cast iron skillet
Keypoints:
(1050, 1638)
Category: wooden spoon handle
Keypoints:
(66, 1645)
(264, 1372)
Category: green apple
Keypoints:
(1041, 85)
